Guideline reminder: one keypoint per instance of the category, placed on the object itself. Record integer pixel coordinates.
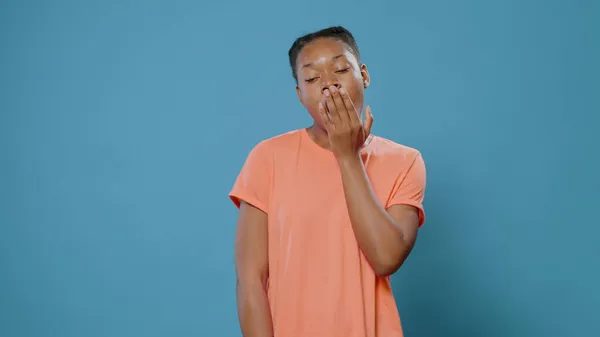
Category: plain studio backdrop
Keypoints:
(124, 123)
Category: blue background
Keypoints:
(124, 123)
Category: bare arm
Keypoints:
(252, 269)
(385, 237)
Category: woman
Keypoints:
(327, 213)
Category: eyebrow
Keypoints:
(333, 58)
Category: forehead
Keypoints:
(323, 49)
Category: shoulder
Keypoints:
(277, 143)
(400, 166)
(269, 147)
(393, 152)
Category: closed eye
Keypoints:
(341, 71)
(310, 80)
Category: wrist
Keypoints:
(349, 160)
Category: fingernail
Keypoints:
(333, 89)
(326, 92)
(342, 91)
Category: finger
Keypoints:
(339, 105)
(324, 116)
(368, 121)
(334, 116)
(349, 106)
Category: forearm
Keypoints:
(253, 310)
(378, 236)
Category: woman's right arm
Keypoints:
(252, 270)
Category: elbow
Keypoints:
(252, 280)
(386, 269)
(388, 265)
(389, 261)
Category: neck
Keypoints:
(319, 136)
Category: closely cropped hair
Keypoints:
(337, 32)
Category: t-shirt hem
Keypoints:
(414, 204)
(237, 199)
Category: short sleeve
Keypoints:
(410, 187)
(253, 183)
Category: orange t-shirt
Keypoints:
(320, 283)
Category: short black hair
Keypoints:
(337, 32)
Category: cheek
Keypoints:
(356, 91)
(311, 98)
(357, 75)
(354, 83)
(313, 95)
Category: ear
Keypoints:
(364, 72)
(299, 93)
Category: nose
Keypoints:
(329, 82)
